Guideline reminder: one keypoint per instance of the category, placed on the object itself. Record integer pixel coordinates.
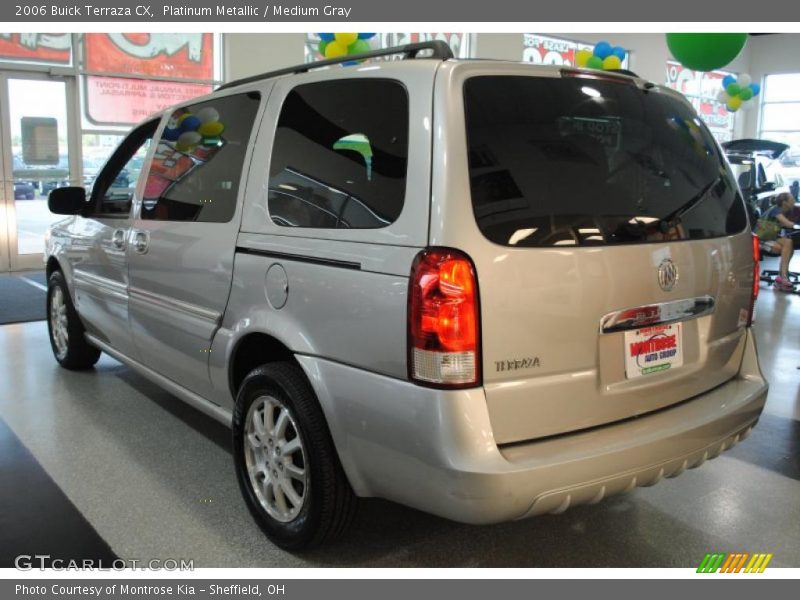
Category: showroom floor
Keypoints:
(152, 478)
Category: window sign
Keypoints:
(701, 89)
(39, 140)
(121, 101)
(173, 55)
(460, 43)
(51, 48)
(544, 50)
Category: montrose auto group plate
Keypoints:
(653, 350)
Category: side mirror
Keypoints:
(67, 201)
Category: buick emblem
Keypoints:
(667, 274)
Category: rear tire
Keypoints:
(67, 340)
(286, 463)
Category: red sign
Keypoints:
(173, 55)
(544, 50)
(120, 101)
(37, 47)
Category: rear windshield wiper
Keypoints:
(674, 218)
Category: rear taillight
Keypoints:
(756, 279)
(443, 320)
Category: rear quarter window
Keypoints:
(576, 161)
(340, 155)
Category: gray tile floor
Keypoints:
(155, 479)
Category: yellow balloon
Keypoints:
(582, 57)
(734, 103)
(183, 117)
(187, 148)
(612, 62)
(212, 129)
(345, 38)
(335, 49)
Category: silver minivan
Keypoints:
(482, 289)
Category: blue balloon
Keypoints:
(366, 36)
(189, 124)
(756, 88)
(619, 52)
(349, 63)
(603, 49)
(171, 134)
(328, 37)
(727, 80)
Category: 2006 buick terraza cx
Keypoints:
(481, 289)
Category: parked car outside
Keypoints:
(482, 289)
(24, 190)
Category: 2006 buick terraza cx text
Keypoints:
(481, 289)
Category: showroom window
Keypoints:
(125, 77)
(701, 89)
(780, 115)
(339, 162)
(199, 160)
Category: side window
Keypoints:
(112, 192)
(199, 159)
(340, 155)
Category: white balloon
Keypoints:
(744, 80)
(208, 115)
(746, 104)
(190, 138)
(723, 97)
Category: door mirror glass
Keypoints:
(67, 200)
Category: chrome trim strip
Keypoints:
(198, 402)
(103, 284)
(316, 260)
(669, 312)
(172, 304)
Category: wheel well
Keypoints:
(52, 265)
(252, 351)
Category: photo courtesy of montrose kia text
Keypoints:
(391, 300)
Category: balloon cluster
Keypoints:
(604, 56)
(190, 130)
(737, 93)
(336, 45)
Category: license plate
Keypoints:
(653, 350)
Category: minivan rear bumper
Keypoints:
(434, 449)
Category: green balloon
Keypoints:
(594, 62)
(733, 89)
(321, 48)
(705, 51)
(358, 47)
(745, 94)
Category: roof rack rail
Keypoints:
(627, 72)
(439, 50)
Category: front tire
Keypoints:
(67, 340)
(286, 464)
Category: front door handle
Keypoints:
(141, 241)
(118, 239)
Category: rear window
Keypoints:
(578, 161)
